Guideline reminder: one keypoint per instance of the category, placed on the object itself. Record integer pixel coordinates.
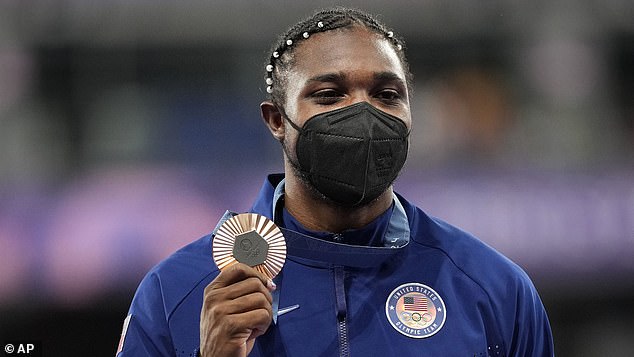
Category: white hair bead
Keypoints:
(320, 24)
(399, 47)
(305, 34)
(269, 89)
(289, 42)
(269, 81)
(269, 68)
(390, 34)
(276, 54)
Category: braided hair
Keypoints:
(282, 52)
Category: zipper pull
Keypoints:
(342, 311)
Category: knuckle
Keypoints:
(263, 315)
(211, 296)
(209, 288)
(240, 269)
(254, 283)
(216, 311)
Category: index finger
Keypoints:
(238, 272)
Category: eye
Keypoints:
(326, 96)
(389, 96)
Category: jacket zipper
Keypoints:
(342, 328)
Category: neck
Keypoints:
(317, 214)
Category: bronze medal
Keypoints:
(251, 239)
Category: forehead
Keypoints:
(346, 50)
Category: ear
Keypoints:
(272, 116)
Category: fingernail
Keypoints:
(270, 285)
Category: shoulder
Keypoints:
(512, 297)
(480, 262)
(154, 327)
(171, 280)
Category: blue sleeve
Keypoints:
(530, 334)
(147, 332)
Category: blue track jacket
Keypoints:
(433, 291)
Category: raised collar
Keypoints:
(314, 251)
(397, 232)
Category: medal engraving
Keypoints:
(250, 248)
(250, 239)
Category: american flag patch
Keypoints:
(415, 303)
(415, 310)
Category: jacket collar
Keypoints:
(304, 247)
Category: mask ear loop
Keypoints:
(291, 122)
(286, 118)
(293, 163)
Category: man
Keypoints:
(367, 272)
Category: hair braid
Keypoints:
(282, 52)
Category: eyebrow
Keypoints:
(328, 77)
(341, 77)
(388, 77)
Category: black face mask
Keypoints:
(351, 155)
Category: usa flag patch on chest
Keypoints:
(415, 310)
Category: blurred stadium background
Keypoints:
(128, 127)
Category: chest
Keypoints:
(400, 308)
